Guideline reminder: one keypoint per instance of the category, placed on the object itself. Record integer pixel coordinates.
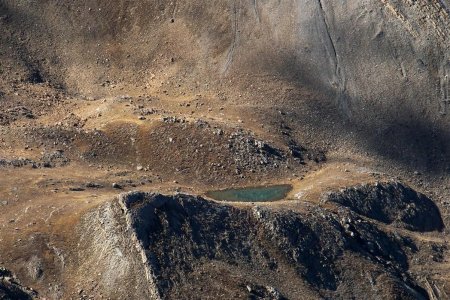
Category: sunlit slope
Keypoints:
(383, 65)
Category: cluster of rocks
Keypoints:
(249, 152)
(14, 114)
(391, 203)
(173, 119)
(211, 151)
(17, 163)
(51, 137)
(55, 159)
(49, 160)
(20, 111)
(4, 120)
(259, 292)
(72, 120)
(10, 287)
(142, 111)
(182, 147)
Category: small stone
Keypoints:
(93, 185)
(116, 186)
(139, 168)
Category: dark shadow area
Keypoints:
(392, 203)
(10, 288)
(179, 232)
(35, 77)
(405, 137)
(16, 36)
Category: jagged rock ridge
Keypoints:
(189, 246)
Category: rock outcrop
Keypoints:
(391, 203)
(11, 289)
(183, 246)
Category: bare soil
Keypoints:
(100, 98)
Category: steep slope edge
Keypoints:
(184, 246)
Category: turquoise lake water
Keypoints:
(252, 194)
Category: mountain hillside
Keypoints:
(346, 102)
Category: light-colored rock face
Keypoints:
(108, 262)
(379, 58)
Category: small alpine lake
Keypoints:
(252, 194)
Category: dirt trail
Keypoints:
(186, 96)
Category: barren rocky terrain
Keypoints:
(117, 118)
